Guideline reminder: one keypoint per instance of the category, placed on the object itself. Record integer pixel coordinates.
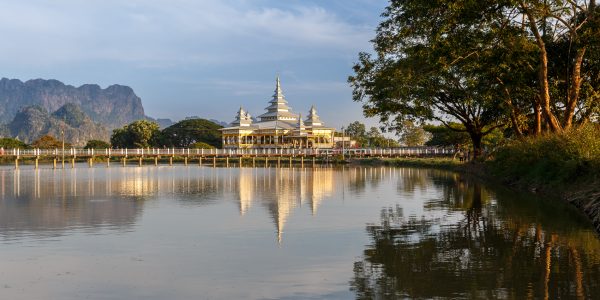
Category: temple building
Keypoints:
(279, 127)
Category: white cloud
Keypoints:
(166, 33)
(194, 57)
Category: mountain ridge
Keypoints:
(33, 122)
(113, 106)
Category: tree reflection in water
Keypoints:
(486, 245)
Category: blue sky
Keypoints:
(203, 57)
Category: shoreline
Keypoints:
(584, 196)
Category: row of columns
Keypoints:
(268, 140)
(140, 161)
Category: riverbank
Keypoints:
(437, 163)
(583, 194)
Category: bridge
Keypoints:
(140, 155)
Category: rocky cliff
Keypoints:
(32, 122)
(113, 106)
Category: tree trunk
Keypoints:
(537, 126)
(545, 91)
(543, 72)
(476, 137)
(513, 113)
(515, 125)
(574, 89)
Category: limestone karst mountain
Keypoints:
(32, 122)
(113, 106)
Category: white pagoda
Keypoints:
(278, 127)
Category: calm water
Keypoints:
(228, 233)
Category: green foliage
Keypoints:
(358, 132)
(71, 114)
(416, 162)
(49, 142)
(412, 135)
(551, 158)
(10, 143)
(377, 140)
(373, 138)
(139, 134)
(443, 136)
(431, 66)
(201, 145)
(188, 132)
(96, 144)
(356, 129)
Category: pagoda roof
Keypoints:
(278, 114)
(278, 107)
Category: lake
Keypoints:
(285, 233)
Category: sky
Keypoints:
(197, 57)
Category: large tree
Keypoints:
(358, 132)
(189, 132)
(11, 143)
(139, 134)
(49, 142)
(529, 63)
(427, 66)
(412, 135)
(96, 144)
(564, 33)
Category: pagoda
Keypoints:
(278, 127)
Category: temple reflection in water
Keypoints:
(283, 190)
(389, 232)
(53, 200)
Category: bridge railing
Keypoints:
(78, 152)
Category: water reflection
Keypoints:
(42, 201)
(478, 244)
(283, 190)
(286, 233)
(46, 203)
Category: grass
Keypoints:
(445, 163)
(564, 159)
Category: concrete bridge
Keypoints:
(139, 155)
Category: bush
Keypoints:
(49, 142)
(551, 158)
(184, 134)
(10, 143)
(96, 144)
(201, 145)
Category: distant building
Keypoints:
(279, 127)
(345, 141)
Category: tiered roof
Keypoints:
(278, 115)
(242, 118)
(278, 108)
(313, 119)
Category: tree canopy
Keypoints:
(412, 135)
(201, 145)
(96, 144)
(483, 64)
(192, 133)
(10, 143)
(139, 134)
(448, 135)
(188, 132)
(49, 142)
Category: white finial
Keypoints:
(278, 88)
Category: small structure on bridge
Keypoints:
(279, 127)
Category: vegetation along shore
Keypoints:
(526, 72)
(565, 165)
